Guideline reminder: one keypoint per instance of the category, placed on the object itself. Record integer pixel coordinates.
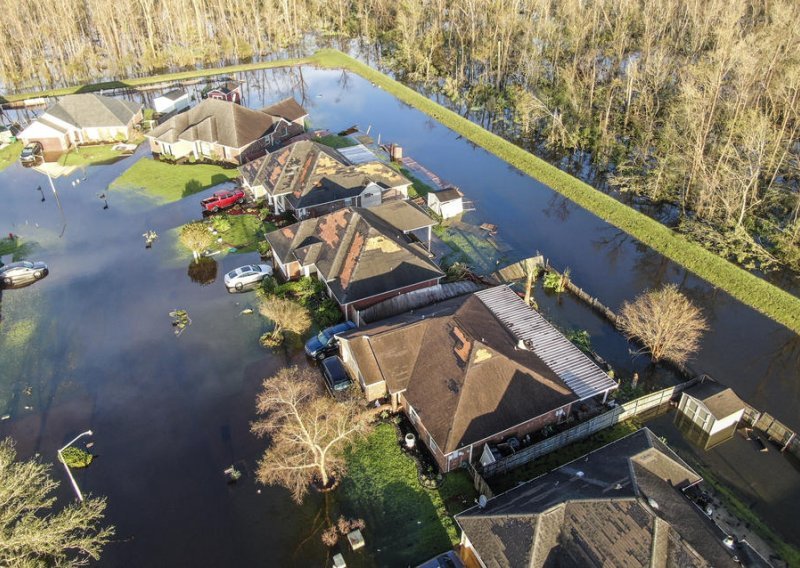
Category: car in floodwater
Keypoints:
(22, 273)
(31, 154)
(337, 381)
(325, 342)
(240, 277)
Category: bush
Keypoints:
(221, 223)
(75, 457)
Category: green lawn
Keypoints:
(91, 156)
(244, 233)
(407, 523)
(170, 182)
(418, 187)
(9, 154)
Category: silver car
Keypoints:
(244, 275)
(21, 273)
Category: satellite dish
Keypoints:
(482, 501)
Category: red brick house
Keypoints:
(229, 91)
(360, 255)
(473, 370)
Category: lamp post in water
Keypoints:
(69, 472)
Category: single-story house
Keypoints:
(219, 130)
(621, 505)
(360, 258)
(230, 91)
(83, 119)
(172, 101)
(472, 371)
(446, 203)
(713, 408)
(311, 179)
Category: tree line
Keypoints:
(687, 102)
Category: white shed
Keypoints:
(711, 406)
(172, 101)
(446, 203)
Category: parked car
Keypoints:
(325, 342)
(23, 272)
(222, 200)
(238, 278)
(32, 153)
(337, 381)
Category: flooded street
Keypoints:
(169, 413)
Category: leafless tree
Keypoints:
(666, 322)
(308, 431)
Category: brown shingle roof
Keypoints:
(216, 121)
(462, 371)
(617, 506)
(359, 256)
(287, 109)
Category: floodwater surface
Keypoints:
(92, 346)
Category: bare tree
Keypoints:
(286, 315)
(196, 237)
(666, 322)
(308, 431)
(31, 532)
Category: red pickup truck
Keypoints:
(222, 200)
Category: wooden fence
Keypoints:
(585, 429)
(786, 438)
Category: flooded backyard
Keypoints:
(92, 345)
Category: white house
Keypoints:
(82, 119)
(446, 203)
(712, 407)
(173, 101)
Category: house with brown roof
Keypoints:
(219, 130)
(289, 110)
(360, 257)
(311, 179)
(82, 119)
(622, 505)
(473, 370)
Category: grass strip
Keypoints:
(768, 299)
(153, 79)
(9, 154)
(170, 182)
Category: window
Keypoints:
(412, 414)
(432, 445)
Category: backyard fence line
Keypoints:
(773, 429)
(479, 482)
(583, 430)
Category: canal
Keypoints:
(93, 346)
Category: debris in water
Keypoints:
(233, 474)
(5, 417)
(180, 320)
(28, 407)
(149, 238)
(90, 444)
(246, 311)
(28, 390)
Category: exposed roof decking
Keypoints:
(579, 372)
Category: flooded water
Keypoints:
(169, 413)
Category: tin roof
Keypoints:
(579, 372)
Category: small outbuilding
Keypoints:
(713, 408)
(173, 101)
(446, 203)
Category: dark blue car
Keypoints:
(325, 342)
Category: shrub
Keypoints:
(75, 457)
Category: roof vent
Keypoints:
(521, 345)
(652, 503)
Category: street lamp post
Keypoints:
(69, 472)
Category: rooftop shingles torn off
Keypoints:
(351, 259)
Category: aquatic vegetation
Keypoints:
(76, 457)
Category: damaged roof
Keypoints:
(461, 369)
(310, 173)
(621, 505)
(89, 110)
(358, 254)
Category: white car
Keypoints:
(240, 277)
(22, 273)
